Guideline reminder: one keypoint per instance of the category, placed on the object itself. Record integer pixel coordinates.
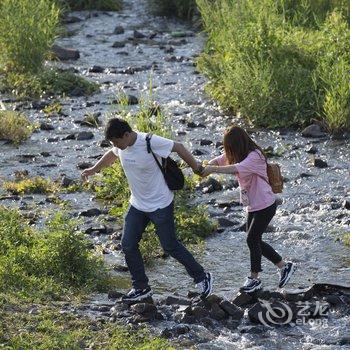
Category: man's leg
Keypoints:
(135, 223)
(163, 220)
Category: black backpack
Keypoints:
(173, 175)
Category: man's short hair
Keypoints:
(116, 128)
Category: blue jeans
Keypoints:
(135, 224)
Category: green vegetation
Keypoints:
(30, 186)
(27, 32)
(179, 8)
(101, 5)
(279, 63)
(15, 127)
(50, 267)
(192, 222)
(346, 238)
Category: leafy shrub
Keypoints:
(275, 67)
(31, 186)
(15, 126)
(51, 261)
(27, 31)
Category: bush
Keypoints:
(15, 127)
(54, 260)
(179, 8)
(27, 32)
(102, 5)
(36, 185)
(274, 66)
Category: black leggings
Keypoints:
(256, 225)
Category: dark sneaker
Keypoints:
(251, 285)
(206, 286)
(286, 273)
(137, 294)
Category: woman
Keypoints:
(245, 159)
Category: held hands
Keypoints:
(201, 170)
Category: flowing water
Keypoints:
(307, 225)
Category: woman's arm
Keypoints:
(225, 169)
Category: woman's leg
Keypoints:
(258, 222)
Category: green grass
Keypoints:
(101, 5)
(192, 221)
(346, 238)
(15, 127)
(279, 63)
(44, 269)
(38, 185)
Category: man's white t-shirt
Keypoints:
(149, 190)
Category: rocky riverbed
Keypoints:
(125, 52)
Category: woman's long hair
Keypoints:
(238, 144)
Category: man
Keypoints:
(150, 201)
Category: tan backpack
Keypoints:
(275, 177)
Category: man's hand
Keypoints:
(86, 173)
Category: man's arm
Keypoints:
(187, 156)
(107, 160)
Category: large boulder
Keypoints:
(65, 54)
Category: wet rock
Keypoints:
(144, 309)
(139, 35)
(113, 294)
(210, 185)
(70, 137)
(84, 165)
(192, 294)
(46, 126)
(148, 300)
(77, 91)
(172, 300)
(105, 144)
(313, 130)
(45, 154)
(223, 222)
(96, 69)
(100, 308)
(205, 142)
(99, 230)
(319, 163)
(168, 49)
(38, 105)
(65, 54)
(213, 299)
(242, 299)
(232, 310)
(66, 181)
(177, 42)
(84, 135)
(53, 139)
(346, 204)
(199, 312)
(217, 313)
(120, 268)
(71, 20)
(311, 150)
(198, 152)
(175, 331)
(118, 44)
(90, 212)
(118, 30)
(295, 295)
(305, 175)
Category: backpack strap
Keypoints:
(149, 150)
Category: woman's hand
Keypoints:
(87, 172)
(207, 171)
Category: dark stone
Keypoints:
(232, 310)
(242, 299)
(168, 49)
(90, 212)
(53, 139)
(84, 165)
(118, 30)
(113, 294)
(334, 300)
(213, 299)
(192, 294)
(319, 163)
(219, 144)
(205, 142)
(70, 137)
(96, 69)
(77, 91)
(132, 100)
(102, 229)
(139, 35)
(105, 144)
(84, 135)
(303, 175)
(313, 130)
(120, 268)
(46, 127)
(175, 331)
(311, 150)
(171, 300)
(118, 44)
(198, 152)
(64, 54)
(210, 185)
(217, 313)
(223, 222)
(199, 312)
(71, 20)
(346, 204)
(45, 154)
(66, 181)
